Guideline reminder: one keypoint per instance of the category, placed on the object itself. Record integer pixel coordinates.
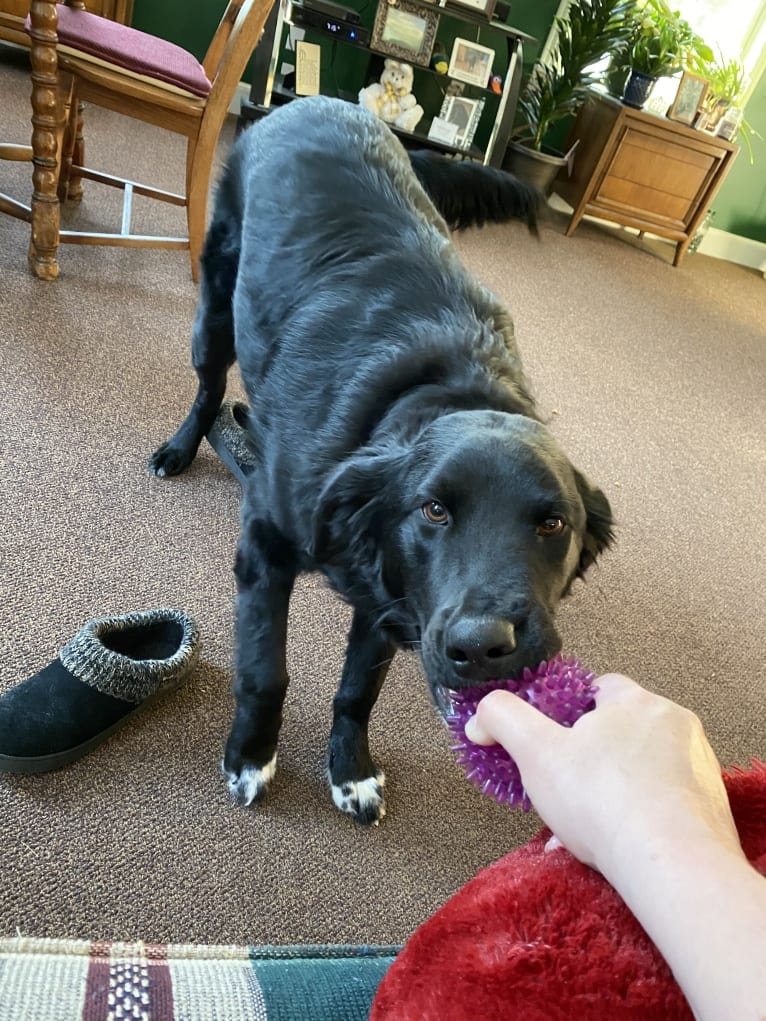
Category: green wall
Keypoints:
(192, 24)
(344, 69)
(741, 203)
(740, 206)
(189, 24)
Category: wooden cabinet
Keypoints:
(642, 171)
(13, 13)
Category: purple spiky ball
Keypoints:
(560, 687)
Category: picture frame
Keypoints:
(471, 63)
(405, 30)
(691, 93)
(465, 113)
(483, 7)
(443, 131)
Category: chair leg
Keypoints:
(48, 105)
(75, 190)
(199, 165)
(67, 147)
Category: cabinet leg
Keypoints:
(681, 251)
(574, 221)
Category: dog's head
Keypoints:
(464, 543)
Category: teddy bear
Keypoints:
(391, 98)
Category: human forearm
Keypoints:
(704, 907)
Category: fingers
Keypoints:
(614, 688)
(505, 718)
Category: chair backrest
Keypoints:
(235, 38)
(233, 43)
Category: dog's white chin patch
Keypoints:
(252, 783)
(362, 798)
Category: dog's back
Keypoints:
(338, 241)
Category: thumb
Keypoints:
(505, 718)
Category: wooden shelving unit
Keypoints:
(268, 90)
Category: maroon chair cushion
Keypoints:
(130, 49)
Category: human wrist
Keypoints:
(701, 902)
(653, 837)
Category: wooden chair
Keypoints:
(115, 66)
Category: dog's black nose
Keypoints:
(481, 648)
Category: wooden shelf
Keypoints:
(465, 14)
(268, 56)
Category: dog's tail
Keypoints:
(469, 194)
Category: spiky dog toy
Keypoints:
(561, 688)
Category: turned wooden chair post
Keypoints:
(47, 112)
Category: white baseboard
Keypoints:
(720, 244)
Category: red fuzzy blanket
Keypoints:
(539, 937)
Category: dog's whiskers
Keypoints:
(386, 612)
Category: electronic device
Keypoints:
(332, 19)
(339, 12)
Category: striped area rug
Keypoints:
(81, 980)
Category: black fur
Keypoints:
(398, 446)
(468, 194)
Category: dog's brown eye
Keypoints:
(435, 512)
(551, 526)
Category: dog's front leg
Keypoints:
(265, 574)
(356, 783)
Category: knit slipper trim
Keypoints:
(90, 661)
(228, 436)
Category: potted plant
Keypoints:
(727, 85)
(660, 43)
(556, 86)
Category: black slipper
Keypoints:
(229, 439)
(113, 667)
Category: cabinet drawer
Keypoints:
(656, 176)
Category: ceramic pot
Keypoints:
(637, 89)
(539, 169)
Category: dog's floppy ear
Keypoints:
(349, 517)
(599, 526)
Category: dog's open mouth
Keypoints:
(444, 697)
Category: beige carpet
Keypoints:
(654, 378)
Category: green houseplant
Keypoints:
(727, 85)
(659, 44)
(556, 86)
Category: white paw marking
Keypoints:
(361, 797)
(552, 844)
(252, 782)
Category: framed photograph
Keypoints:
(464, 114)
(443, 131)
(471, 63)
(691, 92)
(485, 7)
(405, 31)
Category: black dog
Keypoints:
(398, 447)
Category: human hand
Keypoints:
(638, 767)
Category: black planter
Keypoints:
(539, 169)
(637, 89)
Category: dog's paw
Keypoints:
(170, 459)
(250, 783)
(362, 799)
